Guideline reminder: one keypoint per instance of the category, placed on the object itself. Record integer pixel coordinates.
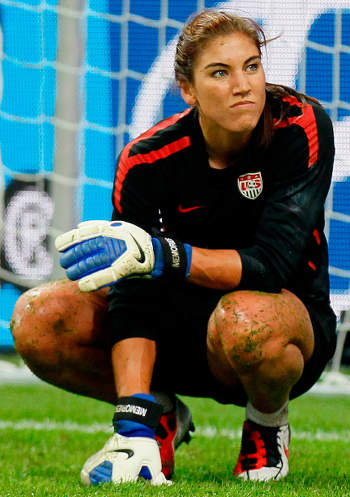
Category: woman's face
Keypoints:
(228, 85)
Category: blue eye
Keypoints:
(252, 67)
(219, 74)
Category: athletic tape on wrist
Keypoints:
(139, 410)
(175, 257)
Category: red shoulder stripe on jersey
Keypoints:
(293, 101)
(307, 121)
(317, 237)
(126, 163)
(312, 265)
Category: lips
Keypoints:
(242, 104)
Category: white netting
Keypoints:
(120, 67)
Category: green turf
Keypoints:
(37, 462)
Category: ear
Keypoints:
(188, 94)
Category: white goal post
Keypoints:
(68, 115)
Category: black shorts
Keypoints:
(176, 317)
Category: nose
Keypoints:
(240, 84)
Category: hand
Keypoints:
(99, 253)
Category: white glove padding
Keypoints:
(124, 459)
(99, 253)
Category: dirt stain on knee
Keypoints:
(60, 328)
(30, 307)
(12, 324)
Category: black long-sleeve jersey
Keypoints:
(269, 205)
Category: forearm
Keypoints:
(219, 269)
(133, 360)
(100, 253)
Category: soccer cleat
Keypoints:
(173, 429)
(264, 452)
(125, 459)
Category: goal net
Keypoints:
(79, 79)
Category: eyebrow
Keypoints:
(221, 64)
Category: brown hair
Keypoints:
(212, 23)
(204, 27)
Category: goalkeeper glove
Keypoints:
(100, 253)
(128, 458)
(125, 459)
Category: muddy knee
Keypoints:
(257, 329)
(54, 315)
(241, 332)
(36, 320)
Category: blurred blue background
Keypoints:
(119, 53)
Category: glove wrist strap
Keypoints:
(175, 257)
(139, 410)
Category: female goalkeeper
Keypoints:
(212, 278)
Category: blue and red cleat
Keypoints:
(264, 452)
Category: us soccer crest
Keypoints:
(250, 185)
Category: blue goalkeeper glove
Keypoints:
(100, 253)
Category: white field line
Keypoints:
(201, 431)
